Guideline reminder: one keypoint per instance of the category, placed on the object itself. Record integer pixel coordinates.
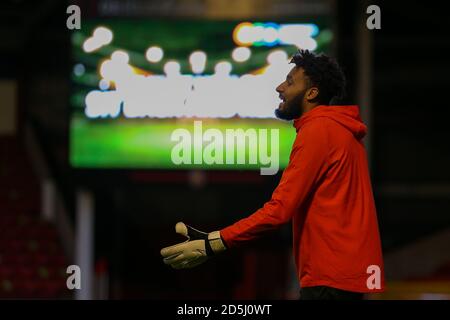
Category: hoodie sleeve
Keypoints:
(307, 164)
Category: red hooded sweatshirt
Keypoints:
(326, 191)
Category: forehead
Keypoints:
(296, 73)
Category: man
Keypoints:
(325, 190)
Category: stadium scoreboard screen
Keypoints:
(140, 87)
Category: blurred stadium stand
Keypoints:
(32, 262)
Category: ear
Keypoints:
(312, 93)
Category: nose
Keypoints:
(279, 89)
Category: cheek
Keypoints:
(289, 92)
(292, 93)
(300, 91)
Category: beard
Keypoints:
(292, 109)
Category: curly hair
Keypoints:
(323, 72)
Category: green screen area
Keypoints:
(147, 144)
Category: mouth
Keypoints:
(283, 100)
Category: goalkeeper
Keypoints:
(325, 191)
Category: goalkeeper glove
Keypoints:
(194, 251)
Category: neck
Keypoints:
(309, 107)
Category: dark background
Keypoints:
(135, 211)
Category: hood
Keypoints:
(346, 116)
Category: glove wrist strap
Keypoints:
(215, 242)
(208, 249)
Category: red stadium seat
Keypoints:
(32, 263)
